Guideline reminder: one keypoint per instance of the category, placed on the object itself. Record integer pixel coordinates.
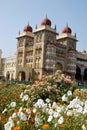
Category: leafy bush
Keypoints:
(52, 103)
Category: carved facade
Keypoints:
(44, 51)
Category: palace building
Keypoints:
(44, 51)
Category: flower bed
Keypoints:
(50, 104)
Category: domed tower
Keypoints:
(69, 40)
(25, 52)
(45, 43)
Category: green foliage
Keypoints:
(33, 98)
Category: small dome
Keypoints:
(84, 51)
(28, 28)
(51, 43)
(67, 30)
(46, 21)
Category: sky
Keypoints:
(16, 14)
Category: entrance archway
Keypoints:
(85, 75)
(8, 75)
(78, 74)
(59, 66)
(21, 75)
(37, 75)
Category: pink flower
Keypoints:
(67, 80)
(25, 91)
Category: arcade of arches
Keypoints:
(81, 75)
(10, 75)
(22, 76)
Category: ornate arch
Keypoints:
(85, 75)
(21, 75)
(8, 75)
(59, 66)
(37, 75)
(78, 74)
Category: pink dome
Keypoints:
(28, 28)
(67, 30)
(46, 21)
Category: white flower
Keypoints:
(34, 110)
(14, 115)
(48, 100)
(9, 125)
(54, 105)
(18, 122)
(20, 109)
(39, 103)
(4, 110)
(85, 110)
(59, 109)
(28, 111)
(56, 114)
(69, 113)
(22, 116)
(50, 118)
(25, 97)
(75, 103)
(21, 95)
(61, 120)
(50, 112)
(83, 127)
(64, 98)
(79, 109)
(45, 107)
(69, 93)
(13, 104)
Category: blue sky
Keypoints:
(15, 15)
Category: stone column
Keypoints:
(82, 74)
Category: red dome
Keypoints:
(46, 21)
(51, 43)
(28, 28)
(67, 30)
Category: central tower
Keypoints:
(44, 48)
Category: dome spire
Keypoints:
(19, 32)
(67, 24)
(75, 34)
(46, 21)
(28, 23)
(46, 16)
(67, 29)
(55, 27)
(36, 26)
(28, 28)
